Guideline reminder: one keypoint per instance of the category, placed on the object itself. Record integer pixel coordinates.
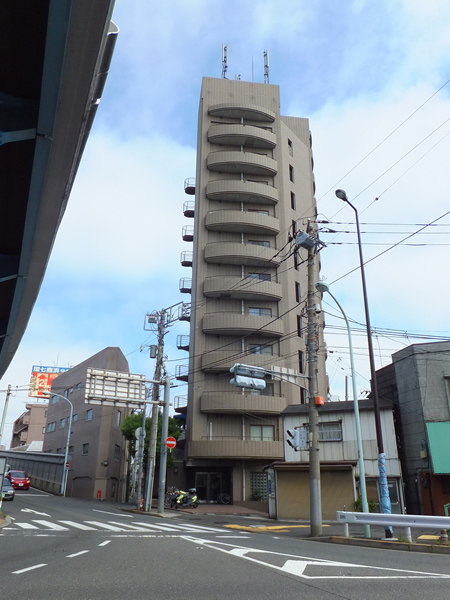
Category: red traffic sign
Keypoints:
(67, 465)
(171, 442)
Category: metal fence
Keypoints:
(45, 470)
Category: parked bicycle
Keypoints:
(170, 499)
(224, 498)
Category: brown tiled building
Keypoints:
(30, 426)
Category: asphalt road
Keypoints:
(63, 548)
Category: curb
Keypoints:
(385, 545)
(5, 522)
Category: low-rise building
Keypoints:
(30, 426)
(339, 460)
(97, 462)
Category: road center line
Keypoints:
(77, 554)
(29, 569)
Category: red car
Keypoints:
(19, 480)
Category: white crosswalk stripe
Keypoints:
(155, 527)
(78, 525)
(50, 525)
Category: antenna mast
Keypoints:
(266, 66)
(224, 60)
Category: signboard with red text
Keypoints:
(41, 380)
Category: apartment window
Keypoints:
(260, 349)
(260, 276)
(78, 386)
(293, 204)
(291, 148)
(299, 325)
(51, 427)
(74, 418)
(296, 263)
(330, 432)
(54, 400)
(45, 414)
(62, 423)
(301, 361)
(259, 211)
(258, 485)
(66, 393)
(262, 433)
(71, 390)
(89, 415)
(85, 449)
(267, 391)
(303, 396)
(43, 430)
(264, 243)
(297, 292)
(119, 416)
(291, 173)
(71, 449)
(260, 312)
(116, 452)
(294, 228)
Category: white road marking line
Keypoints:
(105, 543)
(50, 525)
(104, 525)
(240, 537)
(29, 569)
(116, 514)
(157, 527)
(26, 526)
(28, 510)
(202, 528)
(126, 527)
(77, 554)
(78, 525)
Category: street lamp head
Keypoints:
(341, 195)
(322, 287)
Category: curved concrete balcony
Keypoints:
(218, 361)
(236, 220)
(238, 288)
(241, 135)
(235, 448)
(235, 402)
(221, 323)
(245, 110)
(251, 163)
(233, 253)
(235, 190)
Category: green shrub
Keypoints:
(372, 505)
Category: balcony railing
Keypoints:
(183, 342)
(182, 372)
(186, 259)
(189, 186)
(185, 286)
(189, 208)
(187, 233)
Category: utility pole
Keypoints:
(155, 412)
(314, 457)
(5, 409)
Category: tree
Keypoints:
(132, 422)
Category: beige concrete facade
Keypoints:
(254, 185)
(97, 447)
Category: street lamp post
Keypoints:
(64, 478)
(384, 490)
(322, 287)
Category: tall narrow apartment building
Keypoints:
(254, 188)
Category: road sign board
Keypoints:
(111, 388)
(171, 442)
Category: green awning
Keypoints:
(439, 445)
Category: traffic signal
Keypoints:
(246, 376)
(294, 441)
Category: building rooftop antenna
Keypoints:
(266, 66)
(224, 60)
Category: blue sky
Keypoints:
(357, 70)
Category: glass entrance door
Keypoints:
(208, 486)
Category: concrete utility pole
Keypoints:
(163, 459)
(314, 457)
(5, 409)
(155, 412)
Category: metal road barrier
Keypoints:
(404, 521)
